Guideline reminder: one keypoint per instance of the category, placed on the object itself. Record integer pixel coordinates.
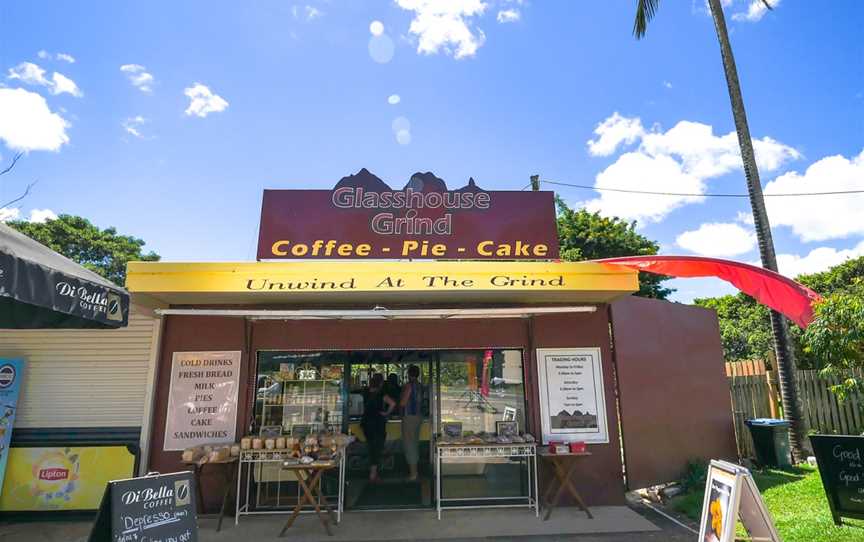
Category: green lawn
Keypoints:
(796, 501)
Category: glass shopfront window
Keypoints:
(303, 392)
(477, 389)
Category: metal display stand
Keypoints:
(256, 460)
(528, 451)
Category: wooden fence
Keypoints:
(754, 394)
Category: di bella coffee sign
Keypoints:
(153, 508)
(363, 218)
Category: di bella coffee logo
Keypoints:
(88, 299)
(182, 494)
(114, 311)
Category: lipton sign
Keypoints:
(363, 218)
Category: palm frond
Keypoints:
(767, 5)
(645, 11)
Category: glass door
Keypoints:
(402, 454)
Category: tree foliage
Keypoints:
(588, 236)
(836, 336)
(104, 251)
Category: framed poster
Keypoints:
(720, 504)
(572, 396)
(506, 429)
(452, 429)
(202, 399)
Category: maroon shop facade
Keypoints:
(662, 376)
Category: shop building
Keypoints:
(562, 349)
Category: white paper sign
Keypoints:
(572, 398)
(202, 401)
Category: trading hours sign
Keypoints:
(572, 399)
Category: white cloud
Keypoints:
(139, 77)
(8, 214)
(38, 216)
(667, 84)
(719, 239)
(65, 57)
(27, 124)
(376, 28)
(745, 218)
(816, 218)
(30, 74)
(42, 215)
(203, 101)
(312, 13)
(707, 155)
(509, 15)
(756, 9)
(33, 74)
(133, 125)
(307, 13)
(614, 131)
(394, 99)
(639, 171)
(446, 25)
(819, 259)
(677, 161)
(62, 84)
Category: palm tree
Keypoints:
(645, 12)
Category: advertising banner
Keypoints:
(11, 374)
(62, 478)
(202, 402)
(572, 397)
(363, 218)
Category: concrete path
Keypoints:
(618, 524)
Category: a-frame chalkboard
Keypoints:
(841, 465)
(157, 508)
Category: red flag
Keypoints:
(487, 366)
(784, 295)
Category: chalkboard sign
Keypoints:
(158, 508)
(841, 465)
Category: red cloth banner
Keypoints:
(784, 295)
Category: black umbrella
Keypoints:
(42, 289)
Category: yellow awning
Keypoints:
(341, 283)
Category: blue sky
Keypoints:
(175, 115)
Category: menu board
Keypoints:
(572, 396)
(202, 401)
(158, 508)
(841, 465)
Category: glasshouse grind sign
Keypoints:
(363, 218)
(202, 401)
(572, 398)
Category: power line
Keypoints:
(693, 194)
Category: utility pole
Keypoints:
(535, 183)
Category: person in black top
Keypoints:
(376, 409)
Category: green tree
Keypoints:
(645, 11)
(589, 236)
(836, 336)
(104, 251)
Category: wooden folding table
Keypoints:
(229, 471)
(309, 478)
(564, 467)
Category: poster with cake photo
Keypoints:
(719, 507)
